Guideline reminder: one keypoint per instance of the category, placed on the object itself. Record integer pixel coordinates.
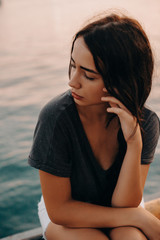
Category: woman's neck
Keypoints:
(93, 114)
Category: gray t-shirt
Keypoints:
(61, 147)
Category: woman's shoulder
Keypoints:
(150, 126)
(56, 106)
(150, 118)
(151, 130)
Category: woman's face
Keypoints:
(85, 82)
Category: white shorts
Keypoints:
(43, 216)
(45, 220)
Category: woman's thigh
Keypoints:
(126, 233)
(57, 232)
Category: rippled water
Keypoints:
(35, 38)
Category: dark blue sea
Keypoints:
(35, 40)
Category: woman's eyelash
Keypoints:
(90, 78)
(72, 65)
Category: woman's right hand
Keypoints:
(149, 224)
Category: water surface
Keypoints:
(35, 39)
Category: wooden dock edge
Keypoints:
(34, 234)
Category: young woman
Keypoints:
(93, 144)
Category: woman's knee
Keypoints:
(126, 233)
(63, 233)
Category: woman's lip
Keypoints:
(76, 96)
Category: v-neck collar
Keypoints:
(88, 146)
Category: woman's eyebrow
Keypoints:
(84, 68)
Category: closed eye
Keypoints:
(89, 78)
(73, 65)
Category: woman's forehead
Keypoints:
(82, 55)
(80, 44)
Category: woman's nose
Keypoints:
(74, 81)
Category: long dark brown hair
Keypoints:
(123, 56)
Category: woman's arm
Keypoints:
(129, 188)
(63, 210)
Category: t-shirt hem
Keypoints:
(48, 169)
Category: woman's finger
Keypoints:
(114, 100)
(111, 104)
(115, 110)
(122, 114)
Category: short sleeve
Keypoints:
(151, 129)
(50, 149)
